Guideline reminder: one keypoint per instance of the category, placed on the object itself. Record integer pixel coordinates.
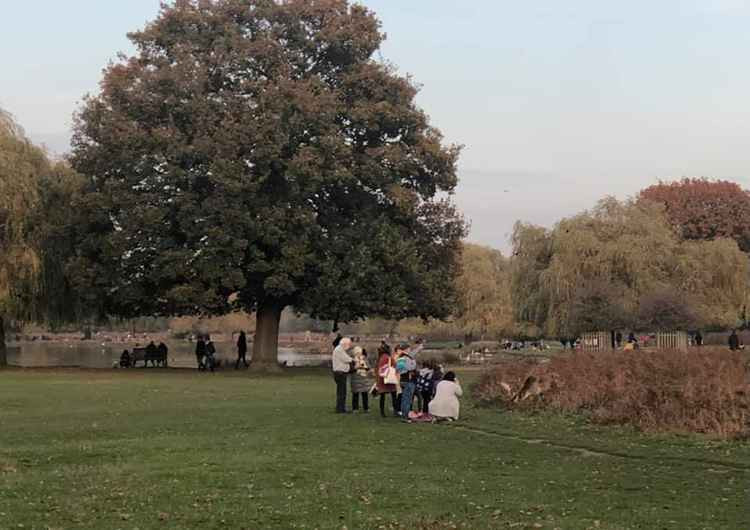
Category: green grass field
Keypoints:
(178, 449)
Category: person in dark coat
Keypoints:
(241, 350)
(163, 353)
(698, 338)
(210, 361)
(151, 352)
(734, 341)
(125, 359)
(200, 352)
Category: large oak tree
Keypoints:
(252, 154)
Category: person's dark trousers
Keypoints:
(340, 378)
(393, 403)
(397, 407)
(240, 359)
(365, 401)
(426, 398)
(199, 358)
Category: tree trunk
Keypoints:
(3, 351)
(266, 343)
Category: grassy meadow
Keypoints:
(180, 449)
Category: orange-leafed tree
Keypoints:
(702, 209)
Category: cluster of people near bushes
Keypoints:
(419, 391)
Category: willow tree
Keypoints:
(252, 154)
(622, 264)
(21, 164)
(532, 252)
(483, 307)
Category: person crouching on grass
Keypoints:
(342, 364)
(445, 404)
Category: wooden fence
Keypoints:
(601, 341)
(674, 340)
(596, 342)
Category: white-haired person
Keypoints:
(342, 364)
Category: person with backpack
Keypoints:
(406, 367)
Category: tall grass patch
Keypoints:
(703, 390)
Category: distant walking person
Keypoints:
(342, 365)
(241, 350)
(734, 341)
(200, 352)
(698, 338)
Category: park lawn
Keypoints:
(180, 449)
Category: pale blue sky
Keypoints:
(558, 103)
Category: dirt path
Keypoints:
(589, 452)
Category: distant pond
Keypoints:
(103, 355)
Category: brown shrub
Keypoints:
(704, 390)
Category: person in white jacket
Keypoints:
(445, 404)
(341, 366)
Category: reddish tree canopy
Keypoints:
(704, 209)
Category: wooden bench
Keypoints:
(156, 357)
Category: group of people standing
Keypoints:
(398, 374)
(205, 352)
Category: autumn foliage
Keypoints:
(257, 155)
(701, 209)
(622, 266)
(704, 390)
